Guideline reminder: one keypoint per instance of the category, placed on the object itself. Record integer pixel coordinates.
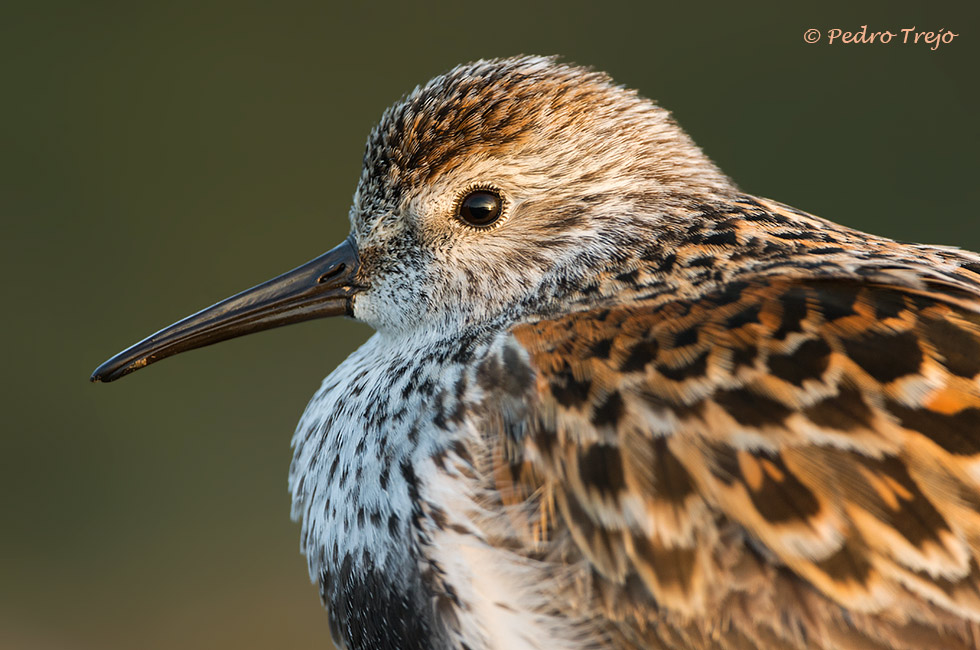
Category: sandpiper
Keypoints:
(615, 402)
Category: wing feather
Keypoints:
(817, 438)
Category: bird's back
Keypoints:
(784, 456)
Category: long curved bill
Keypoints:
(322, 287)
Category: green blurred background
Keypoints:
(156, 157)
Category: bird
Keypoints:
(614, 402)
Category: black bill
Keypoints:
(322, 287)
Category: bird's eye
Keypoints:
(480, 208)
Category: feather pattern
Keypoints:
(812, 436)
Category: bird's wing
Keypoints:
(827, 431)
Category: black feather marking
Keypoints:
(601, 468)
(808, 361)
(959, 348)
(696, 368)
(885, 356)
(845, 411)
(609, 412)
(752, 409)
(957, 433)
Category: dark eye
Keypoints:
(480, 208)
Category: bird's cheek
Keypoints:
(377, 308)
(391, 304)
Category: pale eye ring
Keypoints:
(480, 208)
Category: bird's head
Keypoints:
(494, 184)
(487, 183)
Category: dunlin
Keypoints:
(615, 402)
